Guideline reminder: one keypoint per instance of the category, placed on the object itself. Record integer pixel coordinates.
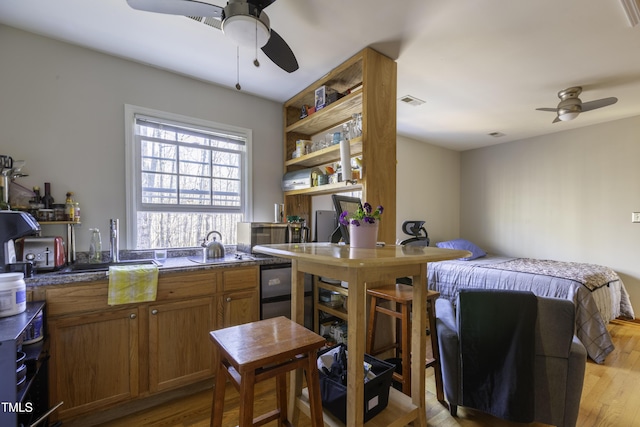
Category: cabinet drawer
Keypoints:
(77, 298)
(240, 278)
(92, 296)
(179, 285)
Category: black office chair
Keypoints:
(419, 237)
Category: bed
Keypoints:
(597, 291)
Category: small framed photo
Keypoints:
(320, 97)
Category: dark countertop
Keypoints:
(171, 264)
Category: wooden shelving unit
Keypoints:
(319, 306)
(368, 80)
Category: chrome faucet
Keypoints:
(114, 240)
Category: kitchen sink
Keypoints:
(226, 259)
(88, 267)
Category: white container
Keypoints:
(33, 333)
(13, 294)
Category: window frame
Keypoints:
(133, 201)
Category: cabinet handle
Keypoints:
(132, 316)
(228, 299)
(154, 311)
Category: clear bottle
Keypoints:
(95, 246)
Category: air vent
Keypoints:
(210, 21)
(496, 134)
(411, 100)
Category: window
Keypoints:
(185, 178)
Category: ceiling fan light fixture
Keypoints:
(567, 114)
(246, 31)
(245, 24)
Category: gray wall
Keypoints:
(62, 110)
(566, 196)
(428, 181)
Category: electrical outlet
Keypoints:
(635, 216)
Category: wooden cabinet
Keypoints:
(103, 356)
(368, 80)
(240, 299)
(179, 348)
(94, 360)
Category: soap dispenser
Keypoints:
(95, 246)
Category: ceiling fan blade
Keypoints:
(553, 110)
(556, 120)
(598, 103)
(177, 7)
(280, 53)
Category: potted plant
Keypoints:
(363, 225)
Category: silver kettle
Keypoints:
(213, 249)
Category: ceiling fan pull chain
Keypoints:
(255, 61)
(238, 68)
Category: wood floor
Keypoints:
(610, 397)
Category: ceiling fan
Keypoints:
(244, 21)
(570, 105)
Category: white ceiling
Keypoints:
(482, 66)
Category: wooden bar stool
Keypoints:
(402, 296)
(254, 352)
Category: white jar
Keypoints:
(13, 294)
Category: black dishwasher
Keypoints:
(275, 293)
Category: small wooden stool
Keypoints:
(253, 352)
(402, 296)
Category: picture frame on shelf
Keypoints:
(320, 97)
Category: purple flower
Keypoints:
(343, 218)
(364, 213)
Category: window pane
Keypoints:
(159, 189)
(179, 230)
(195, 161)
(195, 191)
(158, 157)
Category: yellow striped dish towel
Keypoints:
(132, 283)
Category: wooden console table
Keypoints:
(362, 268)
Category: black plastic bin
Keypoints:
(376, 390)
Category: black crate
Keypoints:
(376, 390)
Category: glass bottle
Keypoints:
(70, 208)
(76, 212)
(47, 199)
(37, 198)
(95, 246)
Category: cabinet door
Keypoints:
(235, 308)
(94, 360)
(180, 350)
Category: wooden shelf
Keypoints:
(326, 117)
(333, 288)
(339, 187)
(399, 412)
(326, 155)
(338, 312)
(59, 222)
